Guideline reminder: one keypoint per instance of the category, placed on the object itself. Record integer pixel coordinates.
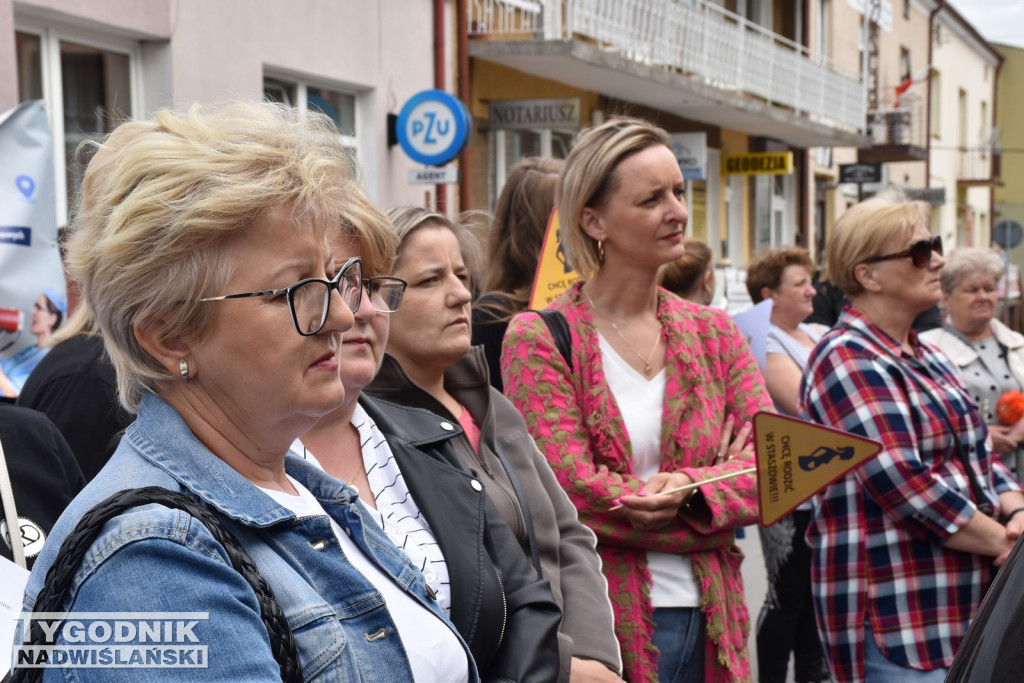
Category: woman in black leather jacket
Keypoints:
(408, 474)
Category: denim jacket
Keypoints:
(154, 559)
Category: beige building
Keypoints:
(1009, 195)
(963, 91)
(891, 44)
(930, 89)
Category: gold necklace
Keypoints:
(657, 338)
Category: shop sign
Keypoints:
(561, 113)
(760, 163)
(691, 151)
(433, 127)
(860, 173)
(936, 196)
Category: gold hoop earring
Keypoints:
(183, 369)
(600, 251)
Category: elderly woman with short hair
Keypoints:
(989, 354)
(903, 545)
(203, 248)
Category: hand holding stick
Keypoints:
(730, 475)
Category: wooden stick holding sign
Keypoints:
(748, 470)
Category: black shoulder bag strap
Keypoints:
(560, 331)
(62, 573)
(972, 478)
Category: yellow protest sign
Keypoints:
(554, 275)
(796, 459)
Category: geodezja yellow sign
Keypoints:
(554, 275)
(796, 459)
(759, 163)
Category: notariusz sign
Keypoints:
(535, 114)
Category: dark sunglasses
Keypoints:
(920, 252)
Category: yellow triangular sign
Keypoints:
(554, 275)
(796, 459)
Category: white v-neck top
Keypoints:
(642, 403)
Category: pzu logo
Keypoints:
(427, 124)
(433, 127)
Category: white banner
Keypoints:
(29, 254)
(691, 151)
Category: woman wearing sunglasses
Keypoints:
(203, 248)
(404, 464)
(906, 543)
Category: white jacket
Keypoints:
(962, 354)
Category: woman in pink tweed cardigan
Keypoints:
(623, 217)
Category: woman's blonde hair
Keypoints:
(589, 178)
(965, 261)
(161, 200)
(378, 243)
(871, 228)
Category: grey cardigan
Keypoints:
(566, 547)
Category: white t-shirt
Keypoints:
(434, 651)
(642, 404)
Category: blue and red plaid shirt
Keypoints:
(877, 533)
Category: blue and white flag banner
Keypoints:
(29, 253)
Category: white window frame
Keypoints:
(499, 159)
(363, 142)
(50, 37)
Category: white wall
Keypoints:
(201, 51)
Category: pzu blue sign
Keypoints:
(433, 127)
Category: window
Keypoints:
(906, 71)
(89, 87)
(825, 28)
(961, 110)
(338, 105)
(984, 137)
(936, 93)
(506, 147)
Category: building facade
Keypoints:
(962, 161)
(732, 81)
(95, 62)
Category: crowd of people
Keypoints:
(430, 484)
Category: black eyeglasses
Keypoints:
(310, 299)
(385, 292)
(920, 251)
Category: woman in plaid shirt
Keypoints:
(902, 552)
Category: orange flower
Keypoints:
(1010, 407)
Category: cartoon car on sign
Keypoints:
(823, 455)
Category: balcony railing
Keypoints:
(695, 38)
(978, 164)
